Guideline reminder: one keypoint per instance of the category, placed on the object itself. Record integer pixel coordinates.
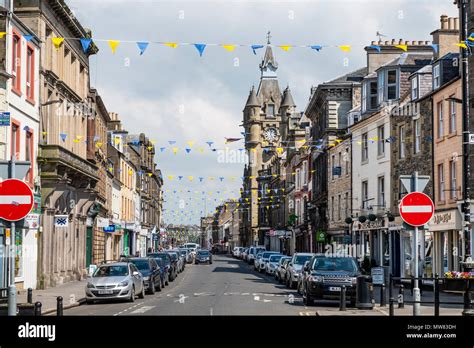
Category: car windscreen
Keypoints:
(159, 261)
(164, 257)
(275, 258)
(173, 256)
(301, 259)
(111, 271)
(203, 253)
(142, 265)
(334, 264)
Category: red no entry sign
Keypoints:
(416, 209)
(16, 200)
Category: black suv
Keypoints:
(326, 274)
(170, 265)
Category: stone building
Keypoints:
(68, 178)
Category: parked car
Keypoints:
(272, 264)
(203, 256)
(280, 273)
(327, 274)
(252, 253)
(150, 271)
(175, 258)
(262, 262)
(164, 274)
(256, 261)
(236, 251)
(170, 264)
(244, 254)
(183, 253)
(181, 260)
(294, 268)
(118, 280)
(188, 256)
(301, 277)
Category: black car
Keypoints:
(203, 256)
(169, 264)
(164, 270)
(326, 274)
(151, 272)
(175, 263)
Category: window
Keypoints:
(392, 84)
(270, 110)
(29, 146)
(365, 195)
(339, 161)
(453, 183)
(333, 165)
(365, 147)
(347, 160)
(417, 136)
(440, 120)
(305, 173)
(339, 207)
(373, 95)
(346, 206)
(30, 74)
(298, 179)
(452, 116)
(381, 140)
(401, 132)
(364, 97)
(414, 88)
(369, 96)
(16, 63)
(436, 77)
(441, 182)
(333, 217)
(15, 140)
(380, 86)
(381, 191)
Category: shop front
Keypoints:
(448, 241)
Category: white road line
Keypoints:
(211, 311)
(142, 309)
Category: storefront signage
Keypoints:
(377, 274)
(32, 221)
(320, 236)
(446, 220)
(369, 225)
(109, 229)
(61, 220)
(102, 222)
(336, 171)
(471, 138)
(4, 119)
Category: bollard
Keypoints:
(363, 294)
(37, 309)
(390, 286)
(391, 307)
(467, 311)
(59, 306)
(29, 296)
(342, 304)
(382, 295)
(401, 297)
(436, 295)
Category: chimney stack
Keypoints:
(447, 36)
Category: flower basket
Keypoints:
(459, 281)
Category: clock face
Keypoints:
(270, 134)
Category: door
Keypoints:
(30, 245)
(89, 246)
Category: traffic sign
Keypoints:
(416, 209)
(16, 199)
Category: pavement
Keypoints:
(71, 292)
(227, 287)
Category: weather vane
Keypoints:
(268, 37)
(380, 35)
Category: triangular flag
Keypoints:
(170, 177)
(200, 48)
(190, 143)
(279, 150)
(376, 47)
(26, 128)
(209, 143)
(435, 47)
(113, 44)
(285, 47)
(345, 48)
(256, 47)
(85, 42)
(98, 144)
(162, 149)
(175, 150)
(28, 37)
(2, 34)
(171, 44)
(190, 178)
(180, 177)
(317, 47)
(201, 150)
(142, 46)
(188, 150)
(402, 47)
(63, 136)
(461, 44)
(229, 48)
(57, 41)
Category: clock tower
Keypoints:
(262, 119)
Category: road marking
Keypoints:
(211, 311)
(256, 298)
(307, 313)
(142, 309)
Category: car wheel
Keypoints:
(308, 301)
(152, 287)
(132, 295)
(167, 280)
(288, 285)
(210, 262)
(160, 283)
(142, 294)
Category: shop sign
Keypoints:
(377, 274)
(109, 229)
(4, 119)
(369, 225)
(320, 236)
(103, 222)
(445, 221)
(32, 221)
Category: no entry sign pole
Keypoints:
(416, 287)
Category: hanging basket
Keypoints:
(459, 281)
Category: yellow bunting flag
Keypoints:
(76, 140)
(229, 48)
(171, 44)
(150, 174)
(345, 48)
(313, 171)
(149, 148)
(57, 41)
(461, 44)
(190, 178)
(170, 177)
(98, 144)
(190, 143)
(285, 47)
(253, 150)
(201, 150)
(402, 47)
(130, 172)
(113, 44)
(279, 150)
(44, 133)
(2, 34)
(175, 150)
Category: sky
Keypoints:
(173, 94)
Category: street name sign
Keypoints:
(16, 200)
(416, 209)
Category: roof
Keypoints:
(287, 98)
(409, 59)
(268, 58)
(252, 99)
(353, 76)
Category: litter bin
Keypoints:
(363, 294)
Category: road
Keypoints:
(227, 287)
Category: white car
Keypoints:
(261, 263)
(252, 253)
(236, 252)
(272, 264)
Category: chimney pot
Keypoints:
(450, 23)
(400, 42)
(421, 42)
(444, 21)
(380, 42)
(456, 23)
(414, 43)
(386, 43)
(372, 43)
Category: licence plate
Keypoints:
(334, 288)
(103, 292)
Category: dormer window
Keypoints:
(387, 85)
(369, 96)
(414, 88)
(436, 76)
(270, 110)
(392, 86)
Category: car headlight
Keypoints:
(316, 279)
(146, 278)
(295, 272)
(90, 285)
(124, 283)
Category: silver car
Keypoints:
(295, 267)
(118, 280)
